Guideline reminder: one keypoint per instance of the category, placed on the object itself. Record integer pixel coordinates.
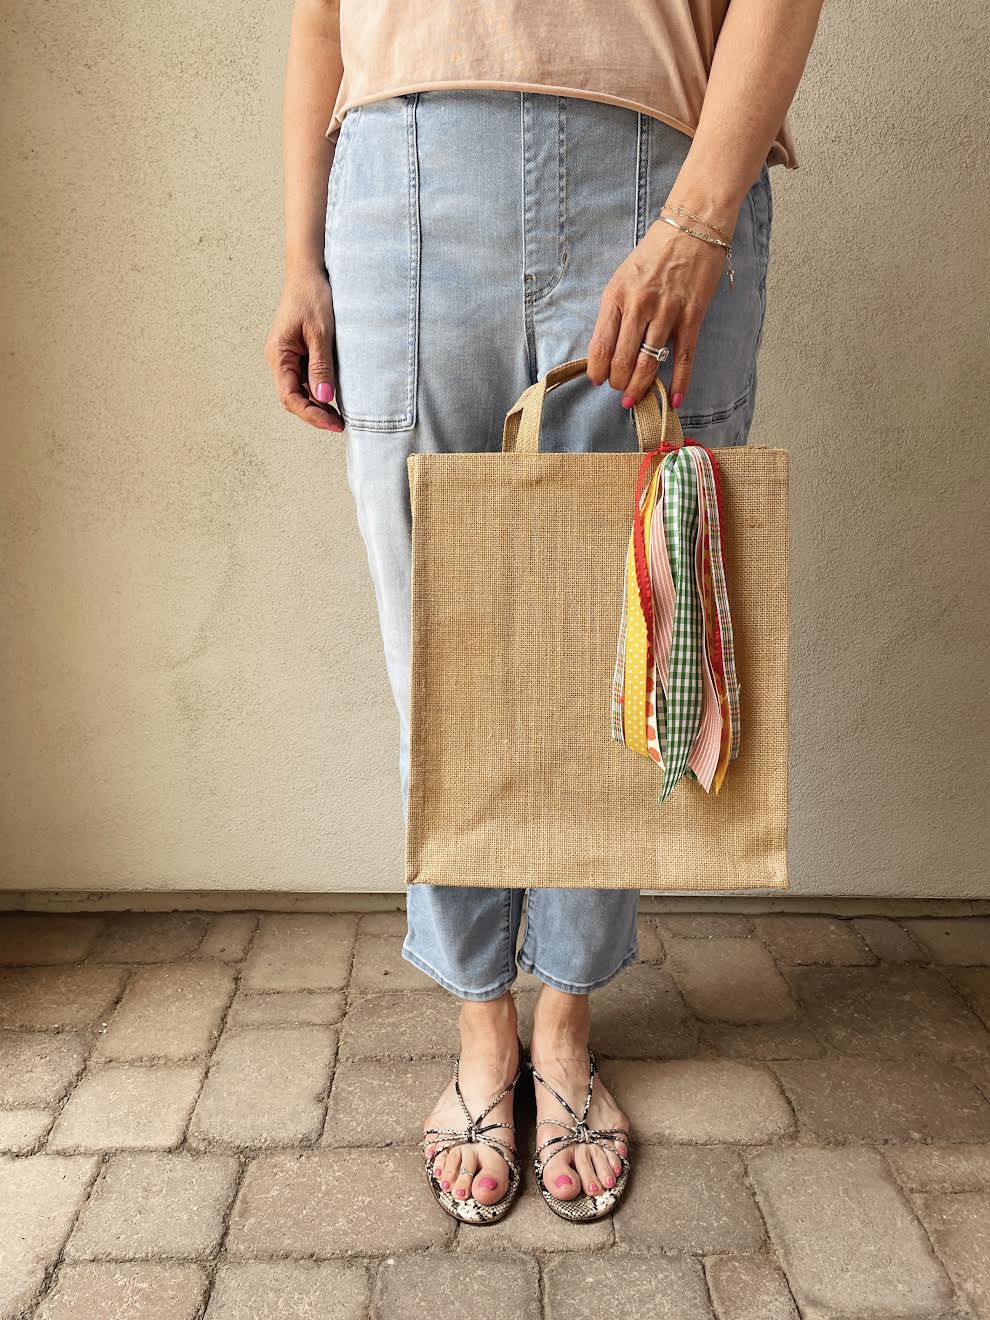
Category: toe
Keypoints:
(462, 1183)
(590, 1182)
(602, 1163)
(561, 1178)
(451, 1164)
(492, 1178)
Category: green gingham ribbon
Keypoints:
(685, 692)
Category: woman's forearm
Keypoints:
(759, 58)
(312, 78)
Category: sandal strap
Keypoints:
(472, 1121)
(578, 1132)
(578, 1135)
(460, 1139)
(474, 1133)
(592, 1072)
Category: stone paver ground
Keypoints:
(216, 1117)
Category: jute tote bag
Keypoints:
(517, 589)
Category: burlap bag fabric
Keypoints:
(514, 777)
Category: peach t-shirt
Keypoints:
(649, 55)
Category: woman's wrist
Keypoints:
(708, 197)
(304, 265)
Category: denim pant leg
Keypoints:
(464, 937)
(577, 940)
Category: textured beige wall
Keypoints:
(193, 694)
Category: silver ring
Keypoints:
(661, 354)
(462, 1170)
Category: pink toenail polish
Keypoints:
(609, 1182)
(460, 1191)
(564, 1180)
(488, 1183)
(445, 1185)
(437, 1171)
(594, 1189)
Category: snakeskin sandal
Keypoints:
(584, 1208)
(471, 1211)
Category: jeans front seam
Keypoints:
(642, 177)
(537, 295)
(415, 248)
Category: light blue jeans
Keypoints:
(470, 234)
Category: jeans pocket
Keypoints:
(372, 259)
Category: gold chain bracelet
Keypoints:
(669, 206)
(707, 238)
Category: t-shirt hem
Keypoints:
(779, 153)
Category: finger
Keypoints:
(686, 346)
(288, 382)
(320, 372)
(626, 354)
(603, 339)
(657, 333)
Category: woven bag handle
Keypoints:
(655, 425)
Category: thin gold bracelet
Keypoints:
(681, 210)
(707, 238)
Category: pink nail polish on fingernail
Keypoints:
(338, 429)
(676, 399)
(564, 1180)
(628, 402)
(323, 392)
(489, 1183)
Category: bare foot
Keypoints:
(559, 1054)
(489, 1061)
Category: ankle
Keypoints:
(561, 1024)
(490, 1024)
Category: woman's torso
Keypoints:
(649, 55)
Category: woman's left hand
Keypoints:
(660, 292)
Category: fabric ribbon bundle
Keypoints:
(675, 695)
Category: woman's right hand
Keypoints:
(299, 350)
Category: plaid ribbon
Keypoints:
(684, 686)
(675, 696)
